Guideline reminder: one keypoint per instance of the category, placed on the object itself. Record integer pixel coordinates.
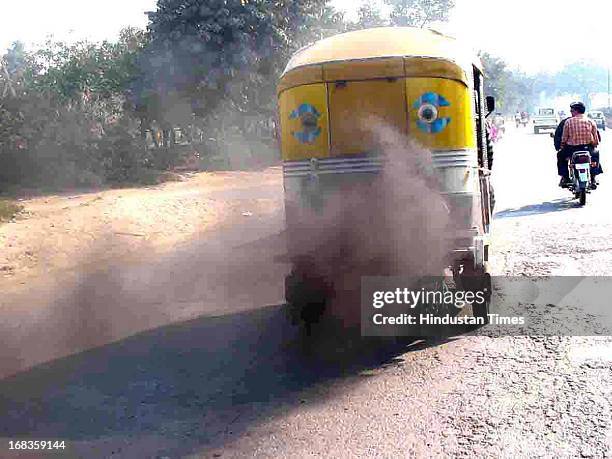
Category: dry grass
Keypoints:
(8, 210)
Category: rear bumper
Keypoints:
(310, 183)
(315, 167)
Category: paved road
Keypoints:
(241, 383)
(539, 228)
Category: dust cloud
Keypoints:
(397, 222)
(108, 297)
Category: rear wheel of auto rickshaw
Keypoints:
(472, 279)
(307, 295)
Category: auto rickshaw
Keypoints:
(423, 84)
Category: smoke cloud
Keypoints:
(394, 223)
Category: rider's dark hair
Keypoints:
(578, 106)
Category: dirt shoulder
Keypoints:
(82, 271)
(54, 233)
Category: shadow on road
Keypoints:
(557, 205)
(181, 388)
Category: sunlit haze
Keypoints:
(535, 35)
(32, 21)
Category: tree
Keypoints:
(199, 47)
(497, 75)
(582, 78)
(68, 110)
(515, 90)
(419, 13)
(369, 15)
(222, 59)
(302, 22)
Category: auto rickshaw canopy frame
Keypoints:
(382, 52)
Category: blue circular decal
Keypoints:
(428, 113)
(309, 116)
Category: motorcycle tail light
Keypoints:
(582, 160)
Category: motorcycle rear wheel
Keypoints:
(582, 197)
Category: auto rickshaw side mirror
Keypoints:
(490, 104)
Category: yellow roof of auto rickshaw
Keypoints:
(385, 42)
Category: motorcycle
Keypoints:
(522, 119)
(580, 183)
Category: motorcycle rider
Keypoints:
(558, 134)
(578, 133)
(493, 130)
(525, 117)
(500, 122)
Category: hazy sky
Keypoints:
(535, 34)
(33, 20)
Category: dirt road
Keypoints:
(234, 381)
(55, 233)
(88, 269)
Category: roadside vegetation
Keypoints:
(518, 91)
(8, 210)
(196, 89)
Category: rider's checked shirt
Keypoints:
(579, 130)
